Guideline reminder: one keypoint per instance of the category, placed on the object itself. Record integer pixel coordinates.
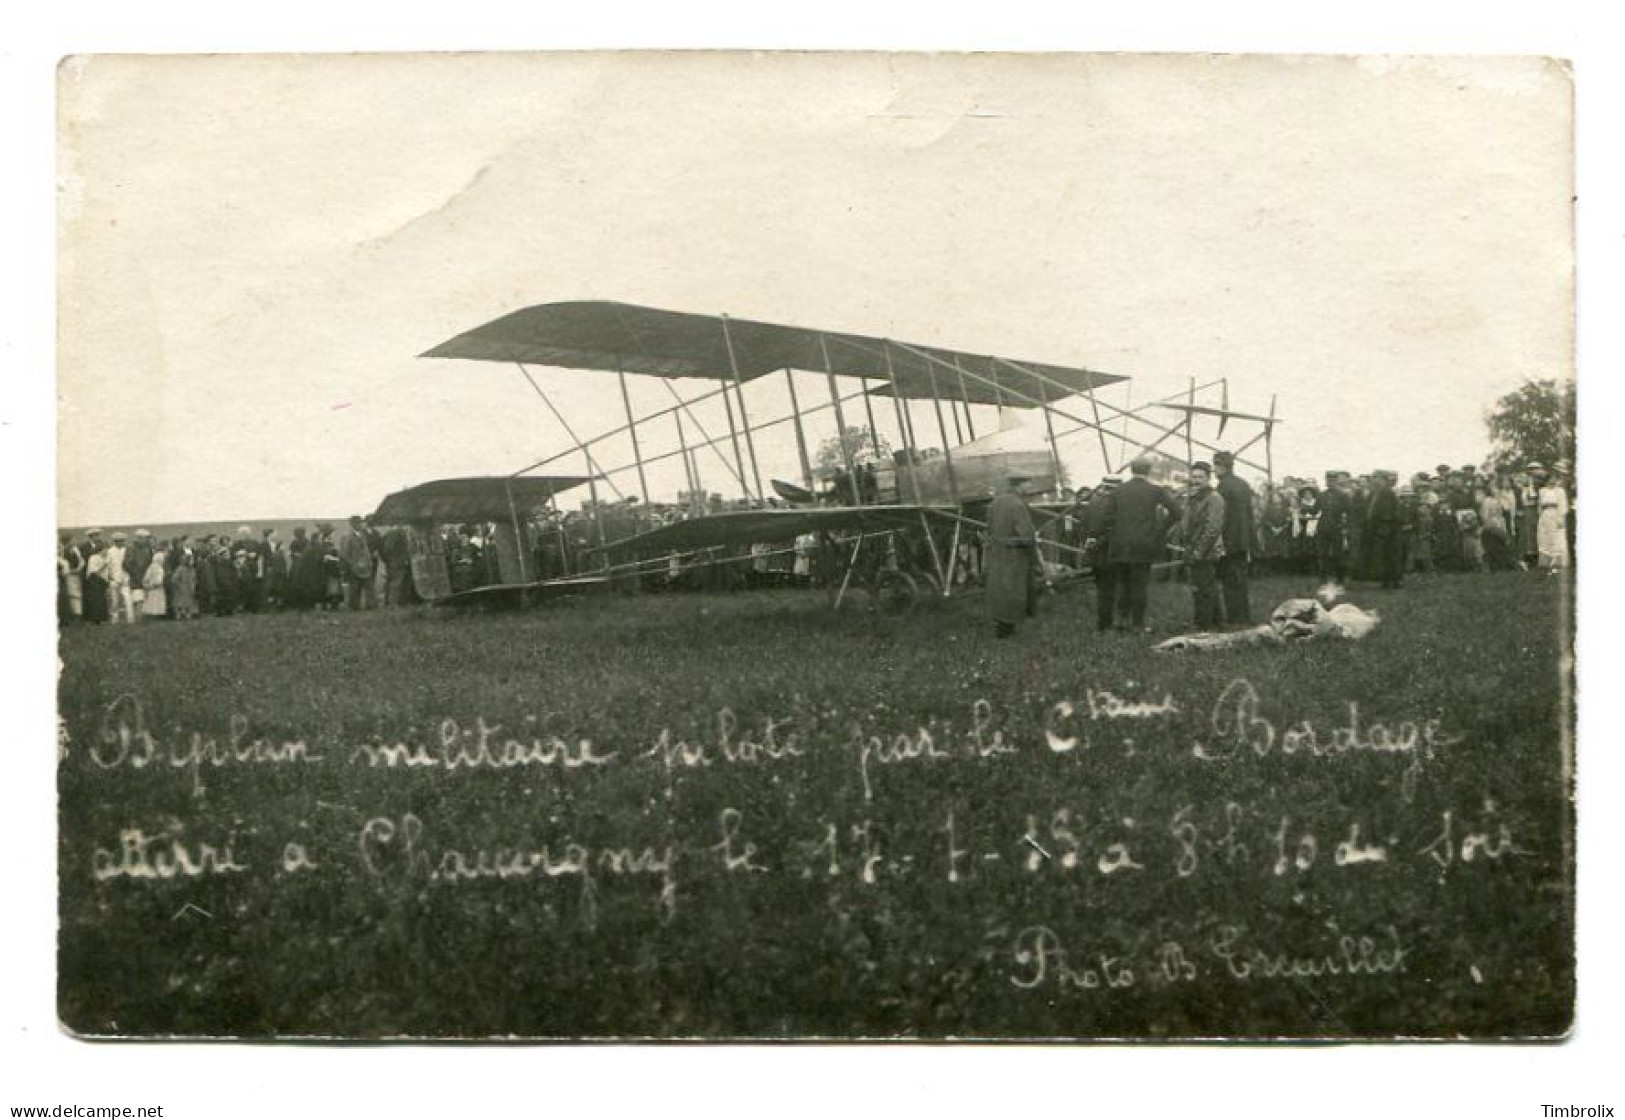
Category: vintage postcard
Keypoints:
(816, 546)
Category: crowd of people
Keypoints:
(129, 577)
(1370, 527)
(122, 577)
(1453, 519)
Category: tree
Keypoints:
(1533, 424)
(865, 446)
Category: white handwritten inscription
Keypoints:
(1061, 732)
(126, 742)
(1239, 728)
(730, 747)
(1487, 844)
(164, 855)
(1126, 831)
(984, 740)
(1039, 958)
(392, 849)
(482, 746)
(1349, 955)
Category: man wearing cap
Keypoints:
(1137, 516)
(1012, 553)
(1202, 533)
(1098, 543)
(1331, 529)
(1238, 540)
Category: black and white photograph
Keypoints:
(935, 548)
(816, 546)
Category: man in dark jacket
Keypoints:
(1097, 543)
(355, 553)
(1331, 530)
(1202, 535)
(396, 553)
(249, 558)
(137, 558)
(1385, 537)
(1238, 540)
(1137, 517)
(227, 581)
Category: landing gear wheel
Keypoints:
(894, 593)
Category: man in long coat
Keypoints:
(1239, 534)
(1012, 552)
(1138, 534)
(1384, 532)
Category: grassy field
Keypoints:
(940, 834)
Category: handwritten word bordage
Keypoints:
(824, 804)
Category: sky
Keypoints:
(255, 249)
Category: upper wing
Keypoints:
(621, 337)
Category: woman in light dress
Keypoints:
(155, 603)
(1551, 530)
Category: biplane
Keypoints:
(893, 497)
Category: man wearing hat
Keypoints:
(1202, 533)
(1098, 544)
(1238, 540)
(1137, 516)
(1012, 553)
(1331, 530)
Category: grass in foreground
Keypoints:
(927, 843)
